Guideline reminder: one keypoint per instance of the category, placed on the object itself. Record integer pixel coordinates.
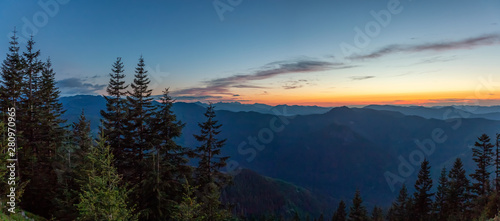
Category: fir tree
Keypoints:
(31, 100)
(207, 174)
(11, 77)
(71, 167)
(210, 162)
(401, 208)
(340, 214)
(189, 209)
(166, 163)
(497, 163)
(103, 196)
(457, 197)
(140, 108)
(114, 119)
(440, 203)
(39, 121)
(422, 193)
(81, 134)
(482, 155)
(357, 211)
(296, 216)
(321, 217)
(377, 214)
(50, 109)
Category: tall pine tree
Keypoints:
(140, 109)
(377, 214)
(357, 211)
(402, 207)
(11, 77)
(457, 197)
(208, 152)
(115, 119)
(207, 174)
(423, 201)
(39, 120)
(166, 163)
(440, 202)
(497, 163)
(340, 214)
(482, 155)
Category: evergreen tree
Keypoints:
(50, 110)
(115, 120)
(497, 163)
(207, 174)
(357, 211)
(189, 209)
(422, 193)
(340, 214)
(140, 108)
(457, 196)
(321, 217)
(482, 155)
(71, 167)
(4, 171)
(210, 162)
(401, 208)
(166, 163)
(377, 214)
(39, 120)
(440, 203)
(103, 196)
(31, 100)
(82, 137)
(11, 77)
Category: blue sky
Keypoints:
(427, 52)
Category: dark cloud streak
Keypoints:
(359, 78)
(221, 86)
(469, 43)
(78, 86)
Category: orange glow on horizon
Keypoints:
(420, 99)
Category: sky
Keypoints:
(295, 52)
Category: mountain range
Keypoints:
(299, 154)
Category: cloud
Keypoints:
(468, 43)
(221, 86)
(247, 86)
(294, 84)
(436, 59)
(196, 98)
(78, 86)
(359, 78)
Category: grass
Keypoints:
(19, 217)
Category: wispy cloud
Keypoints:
(293, 84)
(468, 43)
(78, 86)
(359, 78)
(221, 86)
(196, 98)
(437, 59)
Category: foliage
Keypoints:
(357, 211)
(103, 196)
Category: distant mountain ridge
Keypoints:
(444, 112)
(333, 153)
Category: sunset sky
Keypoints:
(325, 53)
